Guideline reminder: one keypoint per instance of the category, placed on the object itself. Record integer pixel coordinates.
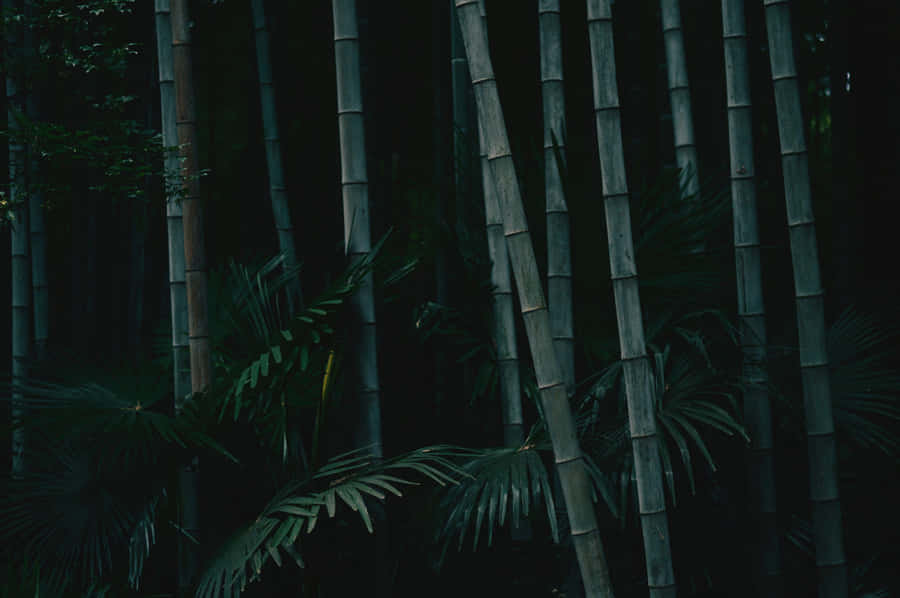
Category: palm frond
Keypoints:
(691, 398)
(503, 483)
(865, 384)
(344, 480)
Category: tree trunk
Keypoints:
(357, 242)
(824, 496)
(20, 263)
(751, 310)
(559, 252)
(277, 190)
(38, 229)
(462, 121)
(174, 224)
(195, 269)
(504, 332)
(638, 377)
(558, 414)
(680, 96)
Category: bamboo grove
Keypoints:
(483, 296)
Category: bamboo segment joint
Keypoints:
(568, 460)
(549, 386)
(482, 80)
(786, 77)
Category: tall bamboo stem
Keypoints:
(20, 262)
(195, 269)
(37, 226)
(751, 310)
(679, 95)
(357, 239)
(558, 414)
(824, 496)
(559, 251)
(636, 366)
(277, 189)
(504, 333)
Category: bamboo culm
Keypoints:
(559, 251)
(557, 412)
(504, 332)
(195, 274)
(828, 537)
(277, 190)
(679, 95)
(636, 367)
(751, 310)
(357, 239)
(20, 263)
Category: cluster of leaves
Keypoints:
(93, 142)
(347, 479)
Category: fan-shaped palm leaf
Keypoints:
(865, 386)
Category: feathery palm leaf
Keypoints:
(346, 479)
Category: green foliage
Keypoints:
(98, 463)
(503, 483)
(691, 398)
(865, 385)
(347, 479)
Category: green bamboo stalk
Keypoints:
(828, 538)
(751, 310)
(558, 414)
(38, 229)
(20, 262)
(277, 189)
(357, 235)
(559, 251)
(504, 332)
(462, 120)
(636, 366)
(679, 95)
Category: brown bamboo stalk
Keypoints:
(751, 310)
(557, 412)
(195, 270)
(636, 366)
(828, 536)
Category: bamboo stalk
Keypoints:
(277, 189)
(504, 332)
(679, 95)
(636, 366)
(828, 538)
(558, 414)
(174, 224)
(751, 309)
(357, 240)
(559, 251)
(20, 263)
(195, 272)
(37, 225)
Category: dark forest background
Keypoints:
(849, 67)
